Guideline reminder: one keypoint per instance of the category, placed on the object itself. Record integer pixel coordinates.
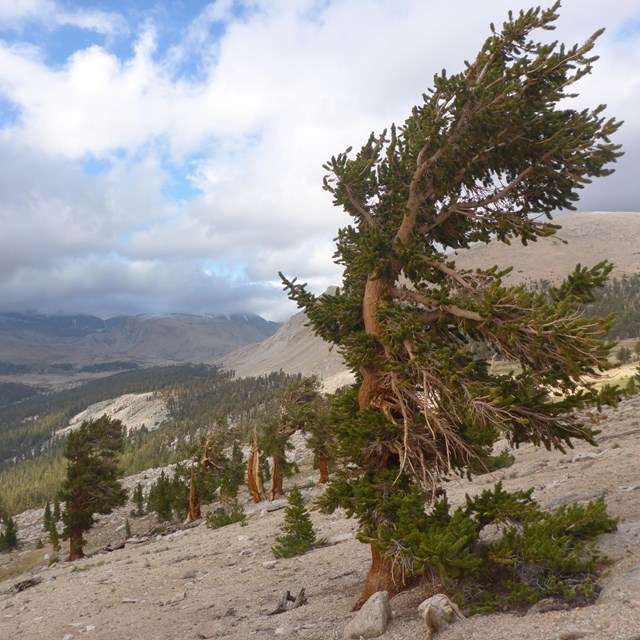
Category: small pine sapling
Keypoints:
(54, 537)
(57, 515)
(9, 538)
(298, 535)
(47, 516)
(138, 501)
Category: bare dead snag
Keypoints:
(194, 496)
(254, 482)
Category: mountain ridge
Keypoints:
(29, 338)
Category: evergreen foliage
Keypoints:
(37, 471)
(489, 153)
(161, 497)
(623, 355)
(620, 296)
(138, 501)
(536, 554)
(57, 514)
(298, 535)
(54, 536)
(22, 436)
(231, 513)
(47, 517)
(8, 537)
(91, 486)
(301, 408)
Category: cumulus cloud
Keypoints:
(212, 145)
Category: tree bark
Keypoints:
(323, 467)
(381, 577)
(276, 480)
(75, 544)
(253, 471)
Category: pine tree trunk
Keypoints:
(276, 480)
(75, 544)
(253, 471)
(381, 577)
(323, 467)
(195, 512)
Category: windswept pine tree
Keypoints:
(297, 411)
(91, 486)
(487, 156)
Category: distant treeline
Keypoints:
(26, 427)
(198, 396)
(620, 296)
(9, 368)
(11, 392)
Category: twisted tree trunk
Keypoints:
(277, 490)
(381, 577)
(254, 482)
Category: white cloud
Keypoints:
(284, 86)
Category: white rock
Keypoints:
(439, 612)
(624, 588)
(372, 620)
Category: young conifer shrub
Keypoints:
(47, 516)
(138, 501)
(9, 537)
(54, 536)
(223, 516)
(535, 554)
(298, 535)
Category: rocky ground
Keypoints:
(199, 583)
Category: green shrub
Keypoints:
(533, 553)
(222, 517)
(8, 537)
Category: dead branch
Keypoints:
(288, 602)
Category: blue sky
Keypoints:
(167, 156)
